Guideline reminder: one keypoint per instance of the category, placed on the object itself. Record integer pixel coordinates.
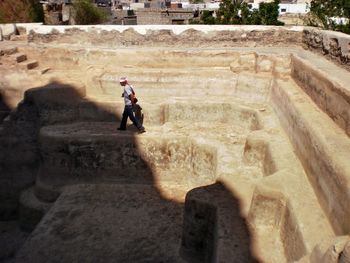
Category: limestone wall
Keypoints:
(330, 93)
(321, 146)
(145, 17)
(315, 114)
(168, 35)
(6, 31)
(333, 45)
(148, 16)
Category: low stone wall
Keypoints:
(333, 45)
(147, 16)
(321, 147)
(329, 93)
(168, 35)
(9, 30)
(279, 65)
(6, 31)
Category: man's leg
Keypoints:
(134, 120)
(124, 120)
(138, 114)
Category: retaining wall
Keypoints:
(333, 45)
(167, 35)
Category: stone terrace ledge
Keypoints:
(332, 45)
(292, 181)
(165, 35)
(143, 29)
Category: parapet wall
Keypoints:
(333, 45)
(167, 35)
(329, 92)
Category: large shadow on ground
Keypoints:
(4, 107)
(104, 204)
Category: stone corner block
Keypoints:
(244, 62)
(7, 30)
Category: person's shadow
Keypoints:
(106, 203)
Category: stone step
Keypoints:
(95, 152)
(169, 74)
(38, 72)
(180, 88)
(181, 79)
(322, 148)
(248, 87)
(45, 191)
(23, 37)
(31, 209)
(44, 70)
(137, 225)
(18, 57)
(27, 65)
(318, 76)
(8, 51)
(280, 220)
(162, 112)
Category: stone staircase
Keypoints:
(10, 57)
(17, 69)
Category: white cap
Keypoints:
(123, 79)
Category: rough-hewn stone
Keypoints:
(235, 117)
(333, 45)
(7, 30)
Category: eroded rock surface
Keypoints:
(244, 158)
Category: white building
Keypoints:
(294, 8)
(302, 8)
(282, 1)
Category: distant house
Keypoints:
(103, 3)
(57, 12)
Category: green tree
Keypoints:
(21, 11)
(207, 17)
(196, 1)
(268, 13)
(228, 12)
(239, 12)
(245, 14)
(323, 13)
(86, 13)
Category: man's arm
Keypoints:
(131, 94)
(132, 98)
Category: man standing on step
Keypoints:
(130, 100)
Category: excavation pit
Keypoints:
(242, 161)
(93, 152)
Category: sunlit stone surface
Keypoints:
(244, 159)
